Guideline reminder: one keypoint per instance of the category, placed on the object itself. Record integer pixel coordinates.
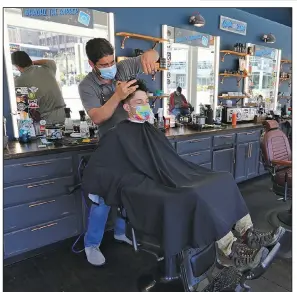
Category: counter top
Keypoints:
(187, 131)
(18, 150)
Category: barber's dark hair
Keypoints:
(21, 59)
(179, 89)
(98, 48)
(141, 87)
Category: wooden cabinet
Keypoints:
(38, 207)
(223, 160)
(247, 159)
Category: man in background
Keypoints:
(178, 104)
(40, 75)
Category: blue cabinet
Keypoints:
(247, 161)
(253, 159)
(38, 207)
(241, 162)
(223, 160)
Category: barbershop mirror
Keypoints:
(263, 67)
(61, 37)
(192, 60)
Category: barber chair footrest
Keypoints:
(226, 280)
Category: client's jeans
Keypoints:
(96, 225)
(180, 111)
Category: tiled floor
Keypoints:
(63, 271)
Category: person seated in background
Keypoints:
(126, 171)
(40, 75)
(178, 104)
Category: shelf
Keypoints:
(161, 96)
(227, 75)
(284, 97)
(232, 97)
(127, 35)
(228, 52)
(285, 79)
(284, 61)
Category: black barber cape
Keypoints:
(176, 202)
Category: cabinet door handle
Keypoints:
(44, 226)
(41, 203)
(225, 136)
(195, 154)
(249, 133)
(198, 140)
(37, 163)
(41, 184)
(249, 151)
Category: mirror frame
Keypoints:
(216, 69)
(7, 56)
(278, 63)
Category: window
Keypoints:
(181, 80)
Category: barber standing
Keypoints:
(41, 75)
(102, 92)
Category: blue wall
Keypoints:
(149, 21)
(283, 15)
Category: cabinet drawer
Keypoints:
(19, 217)
(191, 146)
(20, 194)
(248, 136)
(198, 157)
(206, 165)
(37, 169)
(221, 140)
(38, 236)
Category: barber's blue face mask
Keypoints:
(108, 73)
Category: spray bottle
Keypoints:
(84, 128)
(68, 121)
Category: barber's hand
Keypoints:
(123, 89)
(148, 61)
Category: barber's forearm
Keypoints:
(104, 113)
(41, 62)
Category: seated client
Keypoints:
(175, 201)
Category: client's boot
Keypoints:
(242, 257)
(255, 238)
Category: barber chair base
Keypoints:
(214, 278)
(280, 217)
(285, 217)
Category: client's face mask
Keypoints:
(109, 72)
(142, 112)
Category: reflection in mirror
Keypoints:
(65, 45)
(191, 58)
(263, 70)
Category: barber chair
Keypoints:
(277, 159)
(194, 269)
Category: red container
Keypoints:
(234, 119)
